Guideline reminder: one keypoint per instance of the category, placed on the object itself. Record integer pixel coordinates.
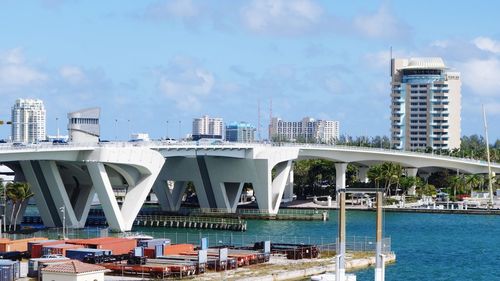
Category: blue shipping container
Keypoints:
(10, 269)
(81, 254)
(151, 244)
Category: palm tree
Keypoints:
(473, 181)
(17, 193)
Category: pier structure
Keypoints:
(69, 175)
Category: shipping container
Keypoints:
(117, 246)
(36, 247)
(20, 245)
(59, 249)
(177, 248)
(153, 242)
(82, 253)
(11, 270)
(34, 264)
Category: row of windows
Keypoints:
(92, 121)
(418, 127)
(418, 139)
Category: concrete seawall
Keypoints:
(280, 269)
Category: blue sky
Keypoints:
(156, 61)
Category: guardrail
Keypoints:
(165, 145)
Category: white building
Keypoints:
(83, 125)
(207, 127)
(425, 104)
(306, 130)
(28, 121)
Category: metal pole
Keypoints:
(167, 131)
(379, 258)
(490, 179)
(340, 258)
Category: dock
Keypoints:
(283, 214)
(199, 222)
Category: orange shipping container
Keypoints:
(177, 248)
(117, 246)
(17, 245)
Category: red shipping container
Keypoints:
(149, 253)
(59, 249)
(36, 249)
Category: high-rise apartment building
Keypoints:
(240, 132)
(28, 121)
(425, 104)
(306, 130)
(207, 127)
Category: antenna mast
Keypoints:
(258, 120)
(490, 178)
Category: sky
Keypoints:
(153, 66)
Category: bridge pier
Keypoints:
(363, 174)
(411, 172)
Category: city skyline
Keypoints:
(158, 61)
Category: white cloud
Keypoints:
(186, 83)
(14, 72)
(381, 24)
(72, 74)
(482, 76)
(487, 44)
(290, 17)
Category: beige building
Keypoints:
(306, 130)
(207, 128)
(73, 271)
(425, 104)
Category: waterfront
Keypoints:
(428, 246)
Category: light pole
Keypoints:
(63, 222)
(57, 126)
(180, 136)
(129, 130)
(116, 125)
(167, 131)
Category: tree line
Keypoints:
(317, 178)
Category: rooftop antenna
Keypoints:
(490, 176)
(270, 115)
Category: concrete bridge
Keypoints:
(69, 175)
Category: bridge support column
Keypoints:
(268, 191)
(340, 171)
(411, 172)
(46, 207)
(363, 174)
(59, 194)
(106, 195)
(288, 194)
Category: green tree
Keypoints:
(17, 193)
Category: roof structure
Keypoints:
(425, 63)
(73, 267)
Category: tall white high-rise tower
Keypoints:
(28, 121)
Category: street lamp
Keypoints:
(64, 222)
(167, 131)
(116, 124)
(57, 126)
(180, 136)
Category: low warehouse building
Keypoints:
(73, 271)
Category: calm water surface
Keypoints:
(428, 246)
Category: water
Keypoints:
(428, 246)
